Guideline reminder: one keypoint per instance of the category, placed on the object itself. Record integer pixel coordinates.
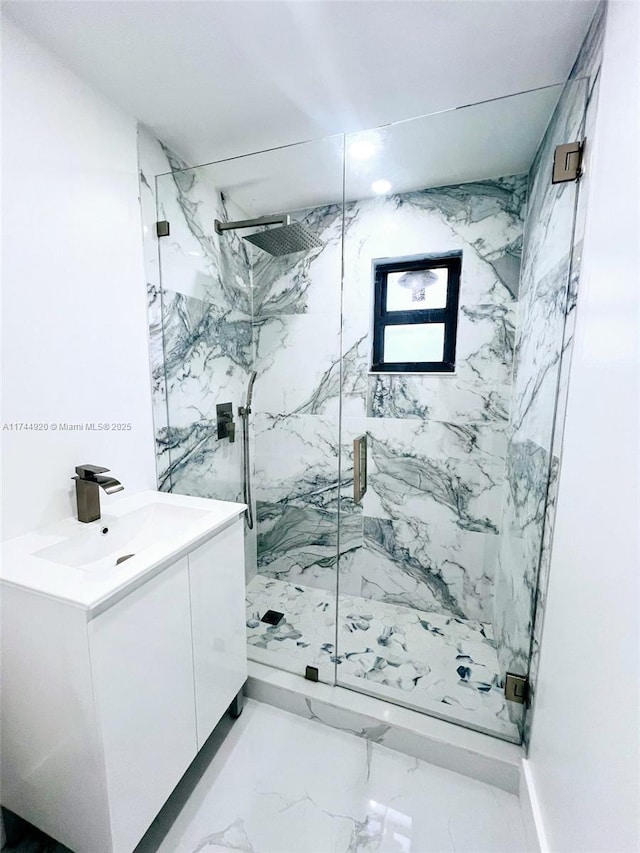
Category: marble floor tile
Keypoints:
(274, 782)
(282, 784)
(427, 661)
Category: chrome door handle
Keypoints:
(359, 468)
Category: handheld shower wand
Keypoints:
(244, 412)
(252, 379)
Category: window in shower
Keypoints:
(415, 314)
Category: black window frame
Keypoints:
(447, 315)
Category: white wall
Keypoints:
(75, 345)
(584, 749)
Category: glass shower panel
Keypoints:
(232, 309)
(437, 595)
(439, 571)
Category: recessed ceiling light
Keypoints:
(362, 149)
(381, 187)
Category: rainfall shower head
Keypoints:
(285, 240)
(288, 238)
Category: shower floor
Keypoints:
(426, 661)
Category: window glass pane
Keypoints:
(415, 290)
(416, 342)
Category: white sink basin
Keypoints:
(80, 563)
(102, 543)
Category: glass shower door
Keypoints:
(432, 572)
(229, 308)
(437, 587)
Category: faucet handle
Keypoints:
(89, 472)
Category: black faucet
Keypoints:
(87, 492)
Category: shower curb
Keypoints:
(470, 753)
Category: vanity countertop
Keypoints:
(76, 562)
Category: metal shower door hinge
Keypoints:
(567, 162)
(162, 228)
(516, 688)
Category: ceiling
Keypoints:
(487, 140)
(218, 78)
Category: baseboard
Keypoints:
(438, 742)
(531, 811)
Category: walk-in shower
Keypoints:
(423, 590)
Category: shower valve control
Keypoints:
(225, 423)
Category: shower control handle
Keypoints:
(224, 421)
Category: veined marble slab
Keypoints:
(437, 444)
(200, 323)
(282, 784)
(438, 568)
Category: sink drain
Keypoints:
(123, 558)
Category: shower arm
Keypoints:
(250, 223)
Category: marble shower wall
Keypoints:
(296, 407)
(200, 326)
(546, 317)
(427, 533)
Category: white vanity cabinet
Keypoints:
(218, 624)
(104, 710)
(141, 662)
